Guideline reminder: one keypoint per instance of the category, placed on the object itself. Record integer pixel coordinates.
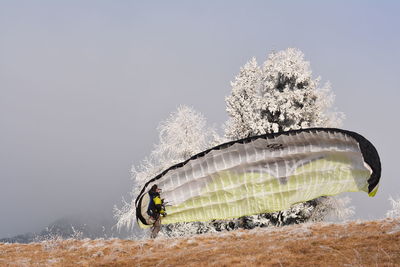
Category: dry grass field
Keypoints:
(373, 243)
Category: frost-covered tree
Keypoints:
(279, 96)
(183, 134)
(394, 212)
(241, 104)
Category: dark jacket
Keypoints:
(155, 205)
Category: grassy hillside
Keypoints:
(374, 243)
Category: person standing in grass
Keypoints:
(155, 210)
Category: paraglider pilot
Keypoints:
(155, 209)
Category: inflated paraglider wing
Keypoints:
(265, 173)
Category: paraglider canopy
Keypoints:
(265, 173)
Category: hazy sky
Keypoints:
(84, 85)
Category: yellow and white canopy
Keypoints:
(265, 173)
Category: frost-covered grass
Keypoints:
(374, 243)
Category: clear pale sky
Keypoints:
(84, 84)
